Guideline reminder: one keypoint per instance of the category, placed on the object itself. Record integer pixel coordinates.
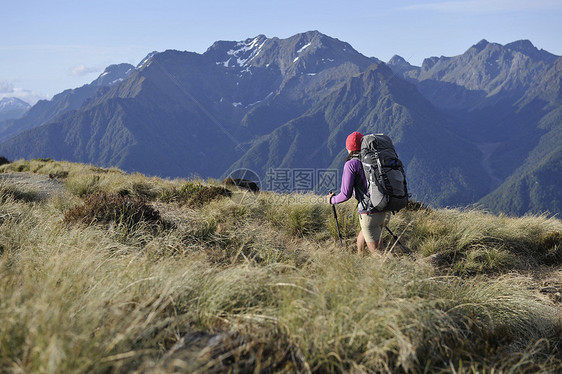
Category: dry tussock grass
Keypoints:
(258, 282)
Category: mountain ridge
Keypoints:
(513, 103)
(47, 110)
(270, 103)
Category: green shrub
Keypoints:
(141, 190)
(60, 174)
(486, 261)
(194, 194)
(107, 208)
(22, 167)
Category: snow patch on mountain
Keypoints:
(114, 74)
(245, 51)
(260, 101)
(12, 108)
(304, 47)
(13, 103)
(146, 61)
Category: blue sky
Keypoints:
(48, 46)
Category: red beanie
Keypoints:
(353, 142)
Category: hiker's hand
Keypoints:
(330, 197)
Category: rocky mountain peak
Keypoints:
(12, 107)
(480, 45)
(527, 48)
(400, 65)
(144, 61)
(114, 74)
(287, 55)
(523, 46)
(398, 60)
(11, 103)
(236, 54)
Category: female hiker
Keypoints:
(354, 183)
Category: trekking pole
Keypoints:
(405, 249)
(337, 224)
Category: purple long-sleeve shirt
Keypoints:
(353, 183)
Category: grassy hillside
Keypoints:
(113, 272)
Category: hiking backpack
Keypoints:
(384, 173)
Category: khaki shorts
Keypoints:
(372, 225)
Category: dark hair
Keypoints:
(353, 154)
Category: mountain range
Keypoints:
(47, 110)
(482, 127)
(507, 100)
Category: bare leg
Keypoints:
(375, 247)
(360, 243)
(372, 247)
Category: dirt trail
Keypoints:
(44, 185)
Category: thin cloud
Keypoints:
(81, 70)
(487, 6)
(6, 87)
